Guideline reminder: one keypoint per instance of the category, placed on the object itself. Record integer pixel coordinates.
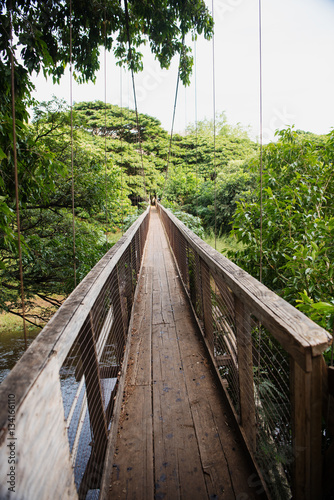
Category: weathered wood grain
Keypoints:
(43, 468)
(245, 371)
(133, 478)
(306, 402)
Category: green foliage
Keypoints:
(192, 222)
(131, 218)
(320, 312)
(216, 202)
(46, 204)
(43, 33)
(298, 223)
(43, 42)
(181, 186)
(197, 150)
(206, 181)
(224, 244)
(141, 170)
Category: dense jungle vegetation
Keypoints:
(47, 37)
(114, 178)
(110, 166)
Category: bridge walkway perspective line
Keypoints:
(177, 437)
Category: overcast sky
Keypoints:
(298, 71)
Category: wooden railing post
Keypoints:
(239, 296)
(245, 365)
(95, 403)
(207, 305)
(306, 403)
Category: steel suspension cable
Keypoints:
(172, 128)
(121, 92)
(214, 125)
(185, 131)
(134, 93)
(261, 138)
(72, 150)
(17, 180)
(138, 131)
(105, 126)
(261, 178)
(196, 124)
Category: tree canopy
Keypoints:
(45, 37)
(108, 185)
(38, 35)
(298, 222)
(41, 32)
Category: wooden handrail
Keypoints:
(300, 336)
(35, 422)
(250, 306)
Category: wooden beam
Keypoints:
(37, 437)
(120, 301)
(245, 371)
(306, 403)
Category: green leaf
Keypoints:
(323, 307)
(2, 155)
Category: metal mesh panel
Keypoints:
(194, 280)
(90, 374)
(225, 342)
(271, 368)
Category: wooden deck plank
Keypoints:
(140, 355)
(172, 404)
(133, 477)
(175, 475)
(173, 423)
(223, 455)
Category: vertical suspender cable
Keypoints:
(121, 92)
(72, 155)
(134, 93)
(172, 129)
(196, 126)
(185, 129)
(17, 180)
(138, 130)
(105, 126)
(261, 180)
(261, 139)
(185, 110)
(214, 124)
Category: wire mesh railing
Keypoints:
(269, 359)
(66, 391)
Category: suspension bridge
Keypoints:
(169, 372)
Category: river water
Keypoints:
(12, 347)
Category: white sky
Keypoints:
(298, 71)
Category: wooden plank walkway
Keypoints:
(176, 438)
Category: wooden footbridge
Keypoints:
(169, 373)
